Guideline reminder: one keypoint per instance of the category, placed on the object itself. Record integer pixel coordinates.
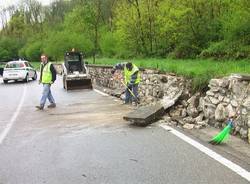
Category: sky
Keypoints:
(6, 3)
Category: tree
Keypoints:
(60, 42)
(131, 28)
(9, 48)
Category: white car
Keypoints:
(19, 70)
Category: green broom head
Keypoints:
(224, 134)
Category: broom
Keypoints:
(119, 78)
(224, 134)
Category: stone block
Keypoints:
(145, 115)
(245, 77)
(188, 126)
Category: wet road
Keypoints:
(85, 140)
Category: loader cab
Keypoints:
(75, 73)
(74, 62)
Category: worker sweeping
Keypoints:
(131, 81)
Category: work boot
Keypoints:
(134, 103)
(125, 103)
(39, 107)
(53, 105)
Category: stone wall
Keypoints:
(153, 88)
(226, 97)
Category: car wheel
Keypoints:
(26, 78)
(64, 82)
(5, 81)
(35, 76)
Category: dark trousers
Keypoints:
(129, 97)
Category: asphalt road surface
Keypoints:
(85, 140)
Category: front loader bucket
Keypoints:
(78, 84)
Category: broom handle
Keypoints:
(116, 78)
(128, 89)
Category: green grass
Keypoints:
(200, 71)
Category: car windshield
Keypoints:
(15, 65)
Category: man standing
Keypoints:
(47, 77)
(132, 79)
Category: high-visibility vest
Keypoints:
(47, 75)
(128, 74)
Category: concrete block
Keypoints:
(145, 115)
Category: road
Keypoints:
(85, 140)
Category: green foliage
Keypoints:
(9, 48)
(33, 51)
(4, 54)
(180, 29)
(235, 31)
(36, 65)
(33, 48)
(60, 42)
(236, 26)
(216, 50)
(108, 44)
(199, 70)
(16, 25)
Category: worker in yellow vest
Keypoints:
(132, 79)
(47, 78)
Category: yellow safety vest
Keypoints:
(128, 74)
(46, 75)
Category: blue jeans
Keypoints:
(129, 97)
(46, 94)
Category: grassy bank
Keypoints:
(200, 71)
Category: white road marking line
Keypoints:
(13, 118)
(100, 92)
(234, 167)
